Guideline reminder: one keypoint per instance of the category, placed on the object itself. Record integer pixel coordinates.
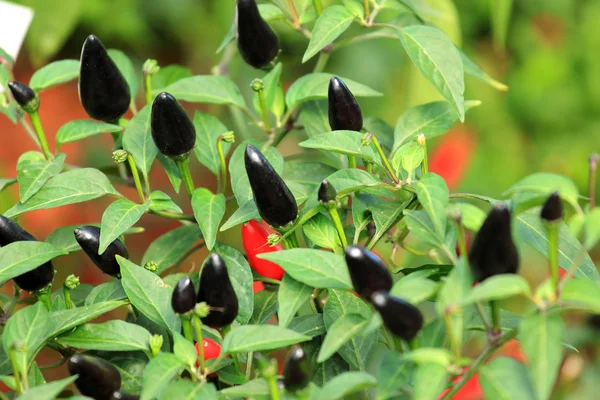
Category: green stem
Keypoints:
(367, 10)
(370, 168)
(294, 13)
(39, 130)
(67, 294)
(183, 163)
(186, 324)
(148, 88)
(249, 365)
(318, 7)
(339, 227)
(222, 179)
(425, 164)
(290, 242)
(15, 367)
(414, 344)
(462, 242)
(322, 61)
(454, 344)
(136, 177)
(264, 111)
(200, 340)
(44, 297)
(173, 215)
(552, 230)
(495, 317)
(273, 387)
(351, 162)
(386, 163)
(484, 317)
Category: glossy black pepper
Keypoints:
(184, 296)
(103, 91)
(400, 317)
(97, 379)
(35, 279)
(493, 251)
(88, 238)
(367, 272)
(257, 43)
(172, 129)
(216, 290)
(552, 209)
(327, 192)
(296, 370)
(344, 111)
(22, 93)
(273, 198)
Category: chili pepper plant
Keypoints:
(364, 278)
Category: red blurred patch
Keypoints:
(257, 286)
(452, 156)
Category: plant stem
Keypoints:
(386, 163)
(290, 242)
(367, 10)
(136, 177)
(339, 227)
(39, 130)
(495, 317)
(186, 324)
(278, 138)
(318, 7)
(484, 317)
(44, 297)
(294, 13)
(148, 88)
(264, 112)
(273, 388)
(425, 164)
(552, 231)
(67, 294)
(222, 179)
(454, 344)
(462, 242)
(351, 162)
(183, 163)
(13, 360)
(592, 180)
(322, 61)
(173, 215)
(370, 168)
(249, 365)
(200, 340)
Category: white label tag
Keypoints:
(14, 23)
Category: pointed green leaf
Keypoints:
(18, 258)
(260, 337)
(32, 174)
(500, 287)
(80, 129)
(138, 141)
(207, 89)
(117, 218)
(115, 335)
(331, 23)
(340, 332)
(47, 391)
(346, 384)
(170, 247)
(208, 130)
(291, 296)
(495, 375)
(208, 209)
(348, 143)
(321, 231)
(54, 74)
(158, 373)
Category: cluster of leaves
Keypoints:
(392, 197)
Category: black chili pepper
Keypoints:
(184, 296)
(296, 370)
(97, 379)
(273, 198)
(552, 209)
(327, 192)
(367, 272)
(172, 129)
(24, 96)
(400, 317)
(344, 111)
(216, 290)
(88, 238)
(257, 42)
(35, 279)
(103, 91)
(493, 251)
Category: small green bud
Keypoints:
(150, 67)
(421, 140)
(228, 137)
(120, 156)
(71, 282)
(367, 139)
(151, 266)
(202, 309)
(274, 238)
(156, 342)
(19, 346)
(257, 85)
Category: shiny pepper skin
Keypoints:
(493, 251)
(400, 317)
(344, 111)
(327, 192)
(103, 90)
(274, 200)
(88, 238)
(22, 93)
(172, 129)
(254, 237)
(257, 43)
(552, 209)
(367, 272)
(35, 279)
(211, 349)
(296, 371)
(97, 379)
(216, 290)
(184, 296)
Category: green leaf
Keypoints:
(582, 293)
(535, 188)
(170, 247)
(208, 209)
(414, 289)
(231, 376)
(385, 215)
(541, 339)
(115, 335)
(167, 76)
(345, 384)
(47, 391)
(63, 321)
(207, 89)
(131, 368)
(408, 157)
(472, 217)
(433, 195)
(186, 390)
(171, 170)
(271, 83)
(348, 143)
(340, 332)
(260, 337)
(158, 373)
(251, 389)
(306, 172)
(291, 296)
(309, 325)
(125, 65)
(500, 11)
(394, 373)
(117, 218)
(160, 201)
(313, 116)
(138, 141)
(475, 71)
(54, 74)
(184, 349)
(314, 86)
(328, 370)
(208, 130)
(434, 54)
(430, 119)
(70, 187)
(316, 268)
(321, 231)
(495, 375)
(6, 182)
(331, 23)
(32, 174)
(500, 287)
(244, 213)
(108, 291)
(73, 131)
(265, 306)
(148, 293)
(64, 238)
(429, 381)
(10, 110)
(240, 275)
(18, 258)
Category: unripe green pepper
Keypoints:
(216, 290)
(257, 43)
(367, 272)
(172, 129)
(88, 238)
(97, 378)
(344, 111)
(400, 317)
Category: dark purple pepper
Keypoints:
(400, 317)
(273, 198)
(103, 91)
(367, 272)
(257, 42)
(22, 93)
(296, 370)
(344, 111)
(552, 209)
(97, 379)
(124, 396)
(216, 290)
(327, 192)
(35, 279)
(88, 238)
(184, 296)
(493, 251)
(172, 129)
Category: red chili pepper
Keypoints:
(257, 286)
(452, 156)
(254, 236)
(211, 351)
